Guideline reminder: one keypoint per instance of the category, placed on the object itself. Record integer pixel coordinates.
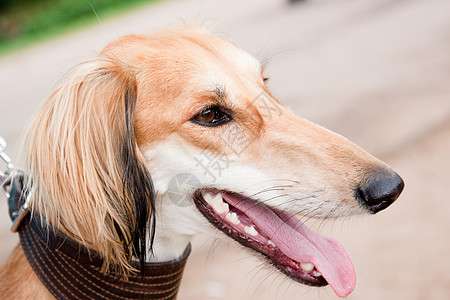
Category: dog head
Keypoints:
(189, 114)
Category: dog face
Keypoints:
(192, 111)
(204, 114)
(185, 76)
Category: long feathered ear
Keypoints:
(137, 181)
(87, 174)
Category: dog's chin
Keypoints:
(289, 245)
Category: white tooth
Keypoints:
(221, 207)
(307, 266)
(217, 203)
(233, 218)
(271, 243)
(216, 199)
(317, 274)
(208, 197)
(251, 230)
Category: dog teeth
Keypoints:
(317, 274)
(307, 266)
(232, 218)
(208, 197)
(216, 202)
(251, 230)
(211, 198)
(221, 207)
(271, 243)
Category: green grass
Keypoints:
(24, 22)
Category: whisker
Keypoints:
(271, 189)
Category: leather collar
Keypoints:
(69, 271)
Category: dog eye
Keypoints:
(211, 116)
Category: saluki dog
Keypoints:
(166, 136)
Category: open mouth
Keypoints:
(300, 253)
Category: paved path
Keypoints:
(377, 71)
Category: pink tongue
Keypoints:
(301, 244)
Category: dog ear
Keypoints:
(136, 181)
(88, 176)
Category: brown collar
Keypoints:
(68, 271)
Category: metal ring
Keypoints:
(9, 165)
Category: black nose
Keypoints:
(381, 190)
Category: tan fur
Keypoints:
(18, 281)
(75, 137)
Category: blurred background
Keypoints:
(376, 71)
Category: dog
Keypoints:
(163, 137)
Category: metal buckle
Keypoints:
(19, 216)
(6, 182)
(9, 165)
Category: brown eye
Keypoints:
(206, 116)
(211, 116)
